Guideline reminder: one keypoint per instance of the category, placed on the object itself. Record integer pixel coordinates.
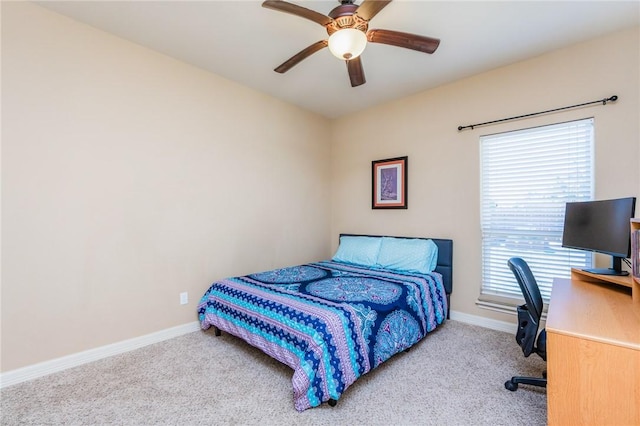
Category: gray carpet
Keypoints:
(455, 376)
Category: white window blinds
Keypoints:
(527, 176)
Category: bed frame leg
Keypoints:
(332, 402)
(217, 331)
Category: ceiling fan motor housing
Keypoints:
(344, 17)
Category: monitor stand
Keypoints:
(606, 271)
(615, 269)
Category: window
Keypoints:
(527, 176)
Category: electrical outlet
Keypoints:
(184, 298)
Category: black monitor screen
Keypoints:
(600, 226)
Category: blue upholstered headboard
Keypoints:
(445, 262)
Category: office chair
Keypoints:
(528, 322)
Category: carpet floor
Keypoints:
(455, 376)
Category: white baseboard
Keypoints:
(483, 322)
(31, 372)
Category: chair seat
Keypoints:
(541, 344)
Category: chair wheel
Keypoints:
(332, 402)
(509, 385)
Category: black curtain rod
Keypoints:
(603, 101)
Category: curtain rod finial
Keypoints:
(611, 99)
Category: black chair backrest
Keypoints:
(528, 285)
(528, 314)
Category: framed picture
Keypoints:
(389, 183)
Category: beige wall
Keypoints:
(129, 177)
(444, 190)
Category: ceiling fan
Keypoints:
(348, 29)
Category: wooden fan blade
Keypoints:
(370, 8)
(406, 40)
(294, 9)
(356, 72)
(304, 53)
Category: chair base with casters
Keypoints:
(512, 384)
(540, 349)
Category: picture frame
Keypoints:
(389, 183)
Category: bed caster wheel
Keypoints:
(509, 385)
(332, 402)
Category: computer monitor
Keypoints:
(602, 227)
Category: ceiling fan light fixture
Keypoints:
(347, 43)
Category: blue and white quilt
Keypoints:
(330, 322)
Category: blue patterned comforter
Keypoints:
(330, 322)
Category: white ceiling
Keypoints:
(244, 42)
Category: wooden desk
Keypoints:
(593, 355)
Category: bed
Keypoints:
(333, 321)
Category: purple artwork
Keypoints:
(388, 184)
